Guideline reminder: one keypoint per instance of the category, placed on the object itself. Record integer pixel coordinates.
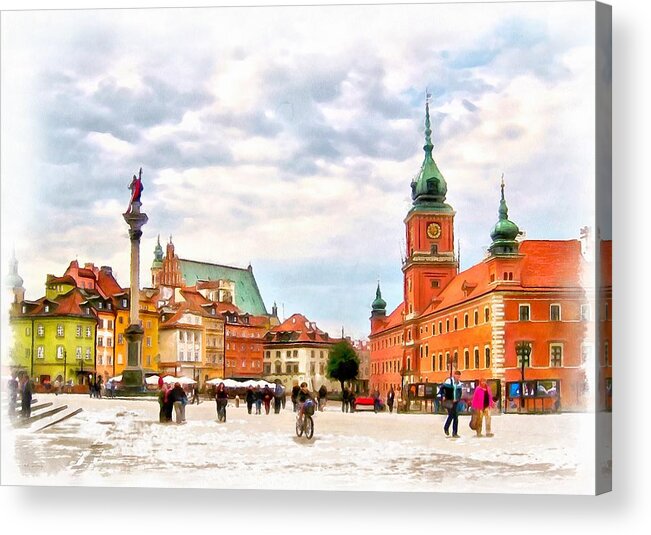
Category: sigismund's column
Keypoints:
(133, 375)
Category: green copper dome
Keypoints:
(505, 231)
(429, 187)
(379, 304)
(158, 255)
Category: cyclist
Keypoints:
(301, 397)
(221, 398)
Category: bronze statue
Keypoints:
(136, 190)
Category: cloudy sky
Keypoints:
(288, 137)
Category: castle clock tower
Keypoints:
(430, 263)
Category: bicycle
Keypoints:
(304, 421)
(221, 409)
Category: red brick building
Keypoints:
(524, 307)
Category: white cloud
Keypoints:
(289, 133)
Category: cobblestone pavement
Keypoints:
(120, 442)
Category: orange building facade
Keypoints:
(521, 318)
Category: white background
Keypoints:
(101, 510)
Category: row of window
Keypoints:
(294, 354)
(387, 366)
(232, 363)
(524, 315)
(61, 353)
(292, 367)
(524, 312)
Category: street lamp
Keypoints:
(523, 350)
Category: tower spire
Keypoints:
(428, 147)
(429, 187)
(505, 231)
(379, 305)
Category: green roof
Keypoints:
(247, 294)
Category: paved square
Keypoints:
(120, 442)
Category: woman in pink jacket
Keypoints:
(482, 403)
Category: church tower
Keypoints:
(430, 263)
(14, 282)
(157, 264)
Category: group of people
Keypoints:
(96, 386)
(347, 400)
(172, 399)
(482, 404)
(20, 384)
(266, 395)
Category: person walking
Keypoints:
(91, 386)
(221, 398)
(162, 395)
(26, 390)
(266, 397)
(376, 400)
(195, 394)
(12, 386)
(250, 398)
(279, 394)
(391, 396)
(482, 403)
(351, 400)
(57, 387)
(99, 385)
(179, 400)
(451, 397)
(345, 394)
(323, 394)
(258, 400)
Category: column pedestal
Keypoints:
(133, 376)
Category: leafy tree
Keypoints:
(343, 363)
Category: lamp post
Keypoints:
(523, 350)
(65, 362)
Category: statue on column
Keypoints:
(136, 190)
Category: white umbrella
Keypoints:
(231, 383)
(152, 380)
(215, 381)
(186, 381)
(170, 379)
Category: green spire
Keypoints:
(504, 232)
(379, 305)
(429, 187)
(158, 255)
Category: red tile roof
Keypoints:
(544, 264)
(297, 328)
(107, 284)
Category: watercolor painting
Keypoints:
(319, 247)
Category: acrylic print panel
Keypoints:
(271, 196)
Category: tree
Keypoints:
(343, 363)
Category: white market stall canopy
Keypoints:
(152, 380)
(170, 379)
(116, 379)
(232, 383)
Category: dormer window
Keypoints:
(24, 309)
(109, 306)
(212, 311)
(47, 308)
(125, 303)
(100, 305)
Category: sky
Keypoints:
(288, 137)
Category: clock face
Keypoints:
(433, 230)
